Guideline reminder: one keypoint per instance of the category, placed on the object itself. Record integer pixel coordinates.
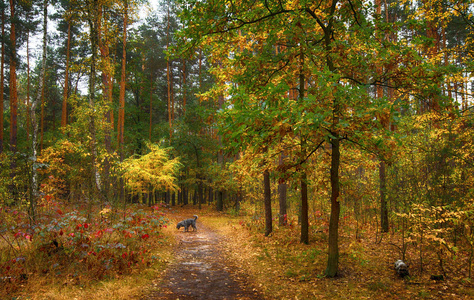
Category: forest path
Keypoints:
(200, 271)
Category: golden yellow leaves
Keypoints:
(155, 170)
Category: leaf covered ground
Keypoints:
(275, 267)
(283, 268)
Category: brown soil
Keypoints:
(200, 271)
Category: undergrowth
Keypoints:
(77, 247)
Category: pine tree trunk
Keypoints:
(43, 77)
(168, 80)
(151, 108)
(121, 117)
(2, 79)
(28, 104)
(66, 78)
(184, 86)
(13, 87)
(122, 85)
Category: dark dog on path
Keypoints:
(402, 268)
(187, 223)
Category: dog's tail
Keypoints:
(195, 217)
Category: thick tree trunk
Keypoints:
(304, 185)
(282, 192)
(333, 251)
(267, 202)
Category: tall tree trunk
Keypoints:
(384, 121)
(168, 80)
(43, 78)
(34, 173)
(333, 251)
(267, 202)
(93, 19)
(122, 96)
(151, 108)
(122, 84)
(66, 78)
(13, 87)
(34, 179)
(333, 239)
(304, 185)
(184, 86)
(221, 162)
(2, 79)
(107, 82)
(28, 119)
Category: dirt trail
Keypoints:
(201, 272)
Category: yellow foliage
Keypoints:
(153, 170)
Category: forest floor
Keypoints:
(229, 258)
(200, 271)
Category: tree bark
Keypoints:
(267, 202)
(304, 210)
(304, 185)
(28, 119)
(43, 77)
(333, 251)
(384, 121)
(168, 80)
(2, 79)
(66, 78)
(184, 86)
(151, 108)
(383, 200)
(13, 87)
(282, 192)
(122, 84)
(93, 20)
